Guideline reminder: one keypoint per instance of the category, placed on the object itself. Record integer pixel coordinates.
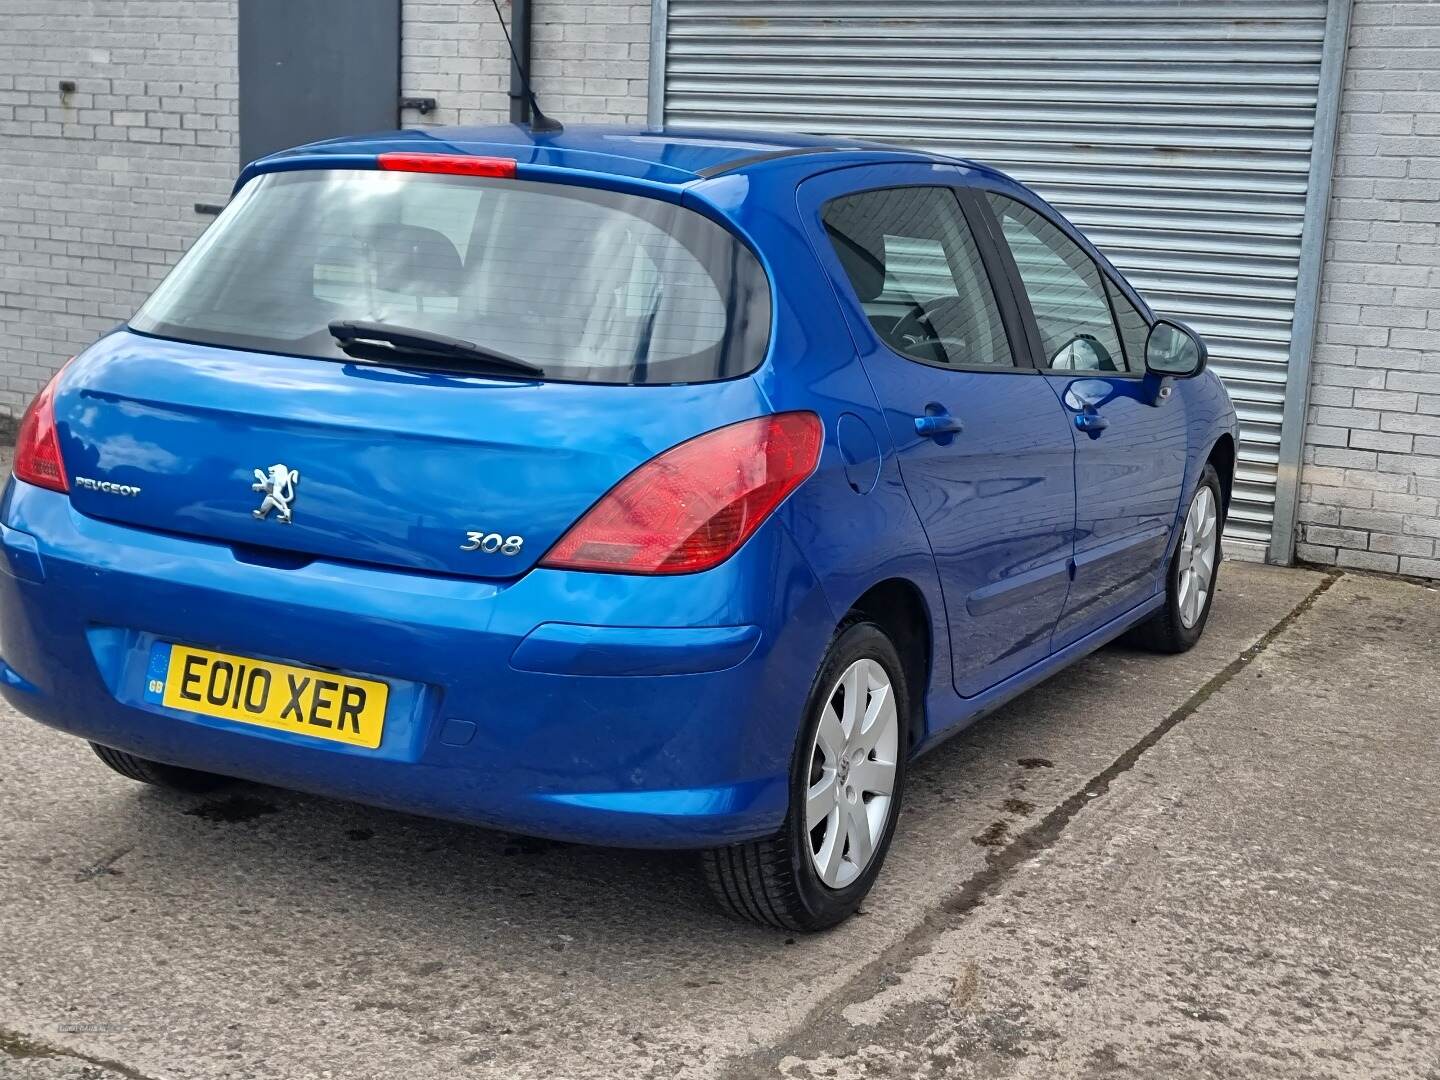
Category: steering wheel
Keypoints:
(916, 328)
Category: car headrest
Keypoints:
(415, 260)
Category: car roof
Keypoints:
(673, 156)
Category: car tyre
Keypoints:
(834, 829)
(154, 772)
(1177, 626)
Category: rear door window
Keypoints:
(590, 285)
(918, 274)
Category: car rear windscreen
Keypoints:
(591, 285)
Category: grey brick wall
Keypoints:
(98, 187)
(1370, 487)
(591, 60)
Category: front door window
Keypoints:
(1066, 291)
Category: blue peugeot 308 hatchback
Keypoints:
(631, 488)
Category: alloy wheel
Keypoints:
(1199, 543)
(852, 773)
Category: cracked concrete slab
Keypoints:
(259, 933)
(24, 1058)
(1256, 896)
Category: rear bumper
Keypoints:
(596, 708)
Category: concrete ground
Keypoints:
(1224, 864)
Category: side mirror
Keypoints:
(1082, 353)
(1175, 350)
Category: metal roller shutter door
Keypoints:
(1177, 135)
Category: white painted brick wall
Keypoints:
(1370, 487)
(97, 190)
(591, 60)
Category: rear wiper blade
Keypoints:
(384, 343)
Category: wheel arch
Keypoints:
(897, 605)
(1222, 457)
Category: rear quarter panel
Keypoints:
(853, 521)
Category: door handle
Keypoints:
(940, 424)
(1092, 422)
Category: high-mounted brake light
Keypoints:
(37, 446)
(453, 164)
(693, 506)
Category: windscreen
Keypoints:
(590, 285)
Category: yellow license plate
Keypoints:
(301, 700)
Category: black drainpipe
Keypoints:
(520, 35)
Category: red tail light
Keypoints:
(37, 446)
(453, 164)
(692, 507)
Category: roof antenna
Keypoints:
(539, 122)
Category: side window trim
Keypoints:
(1023, 361)
(999, 269)
(997, 249)
(1112, 288)
(1022, 296)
